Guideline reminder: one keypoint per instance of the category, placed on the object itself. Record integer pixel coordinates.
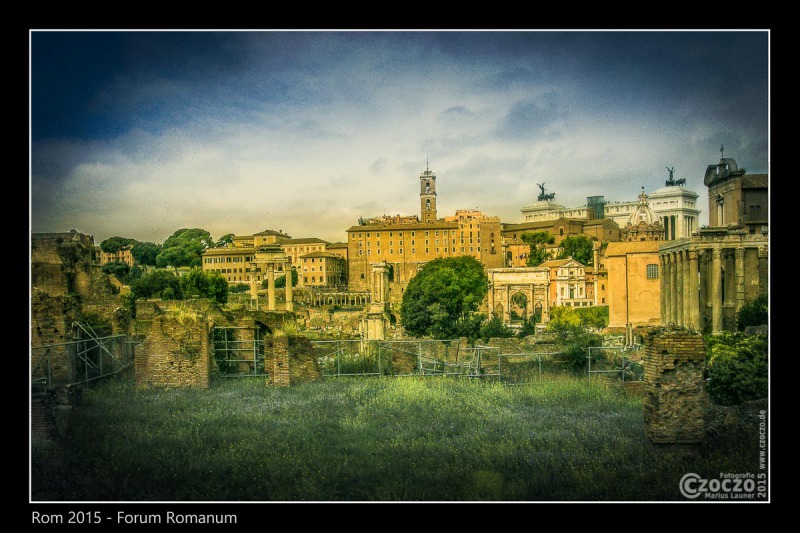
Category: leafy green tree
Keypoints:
(494, 328)
(154, 284)
(173, 257)
(529, 326)
(579, 247)
(595, 316)
(574, 337)
(538, 240)
(737, 369)
(442, 297)
(120, 270)
(753, 313)
(202, 284)
(223, 241)
(238, 288)
(184, 248)
(145, 253)
(115, 244)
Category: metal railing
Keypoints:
(625, 361)
(81, 360)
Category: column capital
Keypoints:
(693, 255)
(739, 253)
(716, 253)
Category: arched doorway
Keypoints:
(519, 307)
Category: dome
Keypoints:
(643, 213)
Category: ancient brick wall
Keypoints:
(176, 353)
(51, 323)
(290, 360)
(276, 361)
(675, 397)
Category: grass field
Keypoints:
(366, 439)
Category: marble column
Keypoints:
(715, 292)
(663, 286)
(693, 300)
(271, 286)
(738, 268)
(679, 318)
(673, 290)
(687, 289)
(287, 276)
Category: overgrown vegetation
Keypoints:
(441, 300)
(538, 241)
(737, 368)
(384, 439)
(494, 328)
(753, 313)
(574, 335)
(195, 283)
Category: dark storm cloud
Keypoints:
(530, 120)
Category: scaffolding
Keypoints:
(82, 360)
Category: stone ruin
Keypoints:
(675, 398)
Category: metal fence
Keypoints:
(338, 358)
(80, 360)
(236, 356)
(619, 362)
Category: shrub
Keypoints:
(494, 328)
(754, 313)
(238, 288)
(737, 368)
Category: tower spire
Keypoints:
(722, 151)
(427, 168)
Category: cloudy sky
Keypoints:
(139, 134)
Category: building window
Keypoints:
(400, 251)
(413, 251)
(652, 271)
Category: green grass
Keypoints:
(392, 439)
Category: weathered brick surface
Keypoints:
(276, 361)
(290, 360)
(176, 353)
(675, 397)
(51, 323)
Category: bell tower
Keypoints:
(427, 195)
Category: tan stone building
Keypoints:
(634, 272)
(322, 269)
(516, 252)
(736, 198)
(674, 204)
(634, 283)
(568, 283)
(516, 294)
(295, 248)
(123, 255)
(407, 243)
(708, 277)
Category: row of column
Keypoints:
(680, 289)
(681, 285)
(678, 226)
(270, 267)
